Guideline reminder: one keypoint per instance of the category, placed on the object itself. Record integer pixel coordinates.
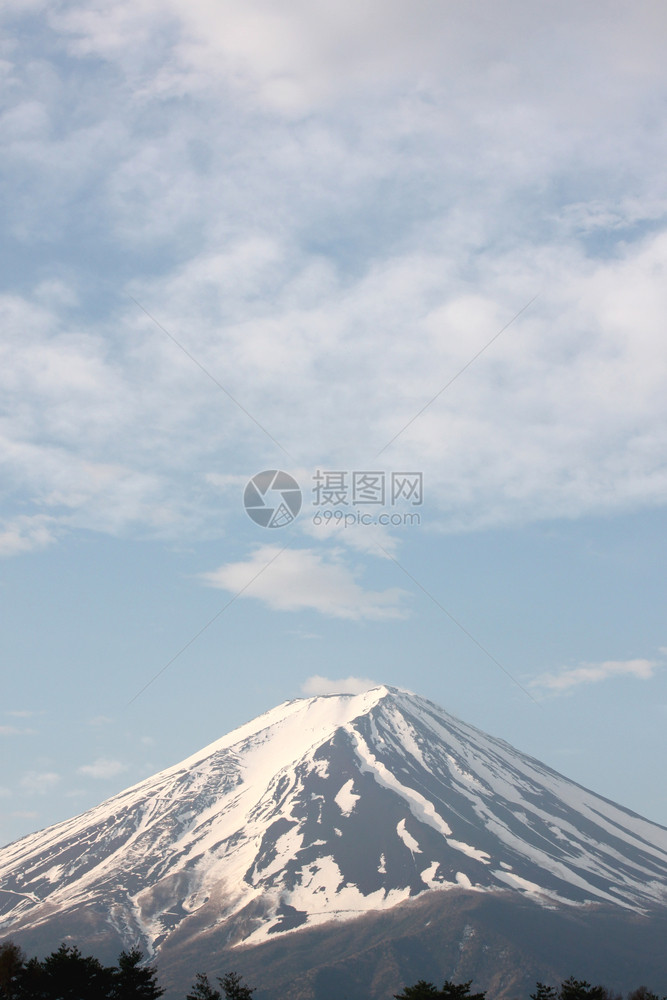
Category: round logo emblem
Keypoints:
(272, 498)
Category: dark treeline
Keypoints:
(66, 974)
(569, 989)
(69, 975)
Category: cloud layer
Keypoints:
(332, 246)
(102, 768)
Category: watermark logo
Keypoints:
(272, 498)
(356, 497)
(341, 489)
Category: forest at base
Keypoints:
(67, 974)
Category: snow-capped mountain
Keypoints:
(323, 809)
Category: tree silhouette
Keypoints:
(543, 992)
(202, 989)
(643, 993)
(234, 988)
(422, 990)
(131, 982)
(452, 991)
(579, 989)
(66, 974)
(12, 962)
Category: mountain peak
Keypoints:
(323, 808)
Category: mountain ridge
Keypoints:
(328, 808)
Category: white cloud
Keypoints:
(368, 252)
(593, 673)
(102, 768)
(39, 782)
(25, 534)
(16, 731)
(305, 579)
(234, 484)
(317, 685)
(564, 415)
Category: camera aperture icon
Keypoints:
(272, 498)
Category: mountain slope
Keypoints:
(328, 808)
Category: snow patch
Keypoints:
(408, 840)
(420, 807)
(428, 877)
(322, 894)
(520, 883)
(472, 852)
(346, 799)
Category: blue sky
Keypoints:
(239, 239)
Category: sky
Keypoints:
(413, 255)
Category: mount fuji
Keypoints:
(327, 812)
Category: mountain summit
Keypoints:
(323, 809)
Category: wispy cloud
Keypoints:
(307, 579)
(316, 685)
(370, 539)
(99, 721)
(16, 731)
(102, 768)
(25, 534)
(39, 782)
(568, 678)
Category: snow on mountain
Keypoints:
(324, 808)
